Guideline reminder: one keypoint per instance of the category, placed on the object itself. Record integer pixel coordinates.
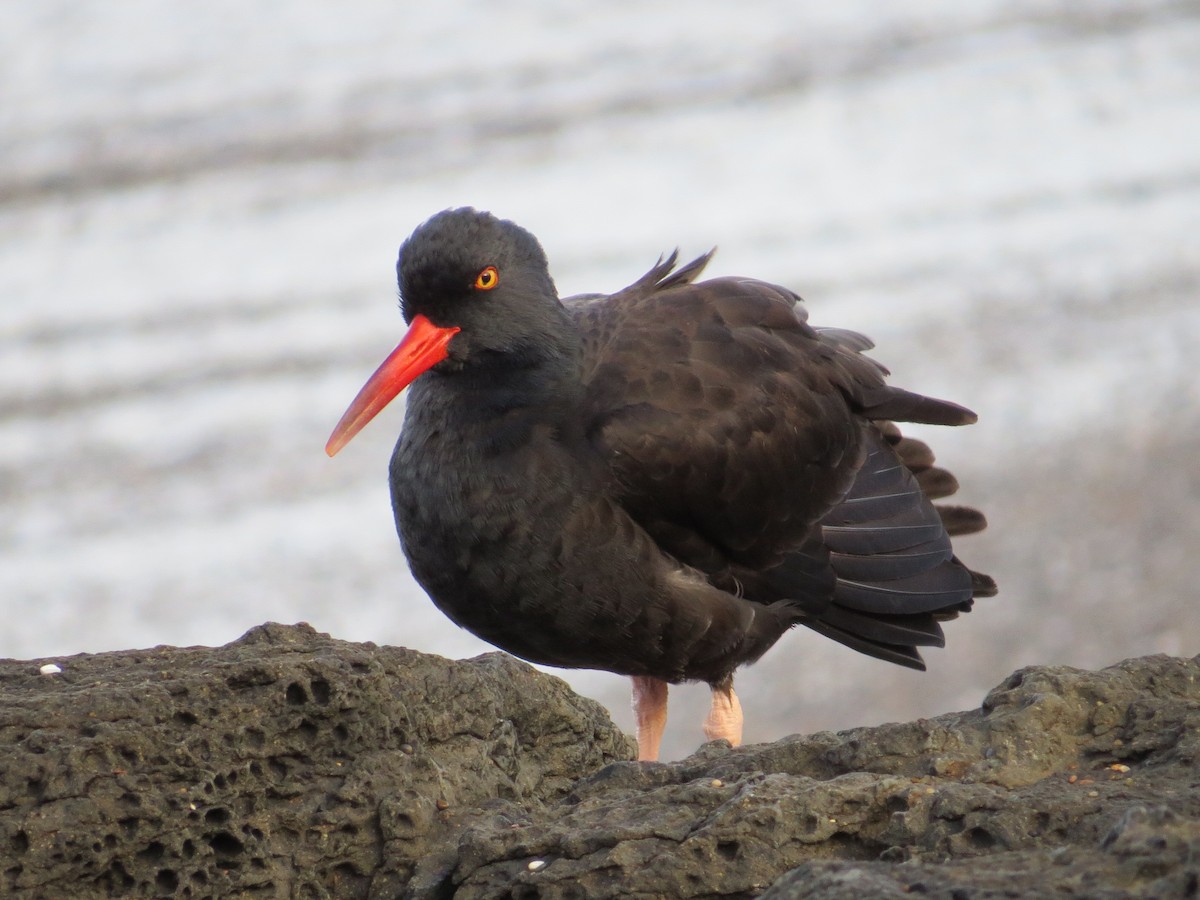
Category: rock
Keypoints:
(291, 764)
(993, 802)
(1151, 852)
(285, 764)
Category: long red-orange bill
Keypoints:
(424, 346)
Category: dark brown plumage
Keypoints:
(659, 482)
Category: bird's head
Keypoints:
(468, 268)
(473, 289)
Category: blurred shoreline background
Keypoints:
(199, 214)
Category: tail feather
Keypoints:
(881, 506)
(917, 455)
(902, 630)
(882, 566)
(892, 403)
(982, 585)
(961, 520)
(897, 577)
(900, 654)
(948, 585)
(936, 483)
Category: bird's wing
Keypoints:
(731, 425)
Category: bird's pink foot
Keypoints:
(725, 718)
(650, 711)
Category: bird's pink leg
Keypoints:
(650, 711)
(725, 718)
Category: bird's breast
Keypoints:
(480, 506)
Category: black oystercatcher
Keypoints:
(658, 482)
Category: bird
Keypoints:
(658, 482)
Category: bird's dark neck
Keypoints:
(538, 379)
(495, 404)
(498, 383)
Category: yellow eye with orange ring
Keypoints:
(487, 279)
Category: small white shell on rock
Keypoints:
(50, 669)
(537, 865)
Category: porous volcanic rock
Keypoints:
(289, 764)
(1064, 783)
(285, 764)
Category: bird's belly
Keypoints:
(500, 578)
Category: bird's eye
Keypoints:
(487, 279)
